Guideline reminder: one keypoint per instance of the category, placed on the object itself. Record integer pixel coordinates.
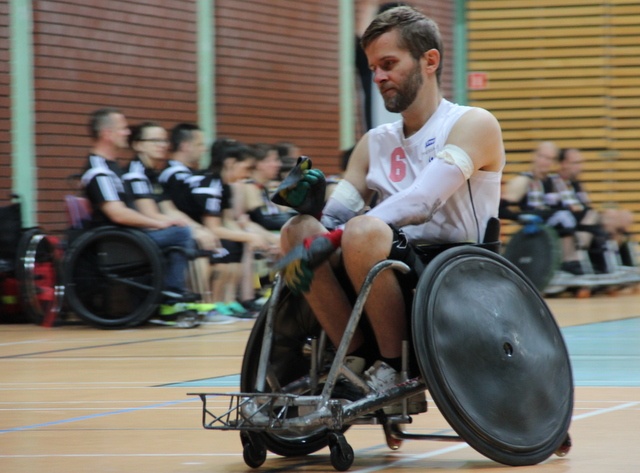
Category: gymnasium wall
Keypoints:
(565, 71)
(276, 77)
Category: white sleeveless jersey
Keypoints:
(395, 162)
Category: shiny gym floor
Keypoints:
(77, 399)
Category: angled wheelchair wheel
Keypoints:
(493, 356)
(113, 277)
(294, 326)
(537, 255)
(40, 277)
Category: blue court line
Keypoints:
(602, 354)
(229, 381)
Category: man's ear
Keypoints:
(432, 60)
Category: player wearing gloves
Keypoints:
(437, 176)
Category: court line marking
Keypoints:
(402, 461)
(116, 344)
(465, 445)
(94, 416)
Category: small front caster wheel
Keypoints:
(563, 449)
(254, 452)
(341, 452)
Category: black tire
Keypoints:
(253, 453)
(341, 453)
(113, 277)
(294, 325)
(493, 356)
(39, 276)
(538, 255)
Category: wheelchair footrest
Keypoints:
(260, 412)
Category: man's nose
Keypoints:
(379, 75)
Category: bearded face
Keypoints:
(398, 99)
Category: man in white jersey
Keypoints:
(437, 175)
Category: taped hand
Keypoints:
(303, 189)
(296, 195)
(298, 264)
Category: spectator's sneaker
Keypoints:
(223, 309)
(381, 377)
(201, 307)
(240, 312)
(236, 307)
(176, 315)
(216, 318)
(252, 305)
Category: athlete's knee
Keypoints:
(366, 233)
(297, 229)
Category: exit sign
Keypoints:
(477, 80)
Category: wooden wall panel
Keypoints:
(564, 71)
(276, 74)
(137, 56)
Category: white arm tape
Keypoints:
(452, 154)
(418, 203)
(345, 203)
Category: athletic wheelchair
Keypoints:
(113, 276)
(488, 348)
(535, 250)
(29, 270)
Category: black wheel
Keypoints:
(341, 453)
(493, 356)
(254, 453)
(536, 254)
(294, 325)
(113, 277)
(39, 273)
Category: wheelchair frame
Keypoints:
(115, 260)
(323, 417)
(34, 264)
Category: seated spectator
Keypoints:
(113, 202)
(150, 144)
(214, 198)
(608, 224)
(533, 193)
(617, 222)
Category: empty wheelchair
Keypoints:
(489, 352)
(114, 276)
(30, 270)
